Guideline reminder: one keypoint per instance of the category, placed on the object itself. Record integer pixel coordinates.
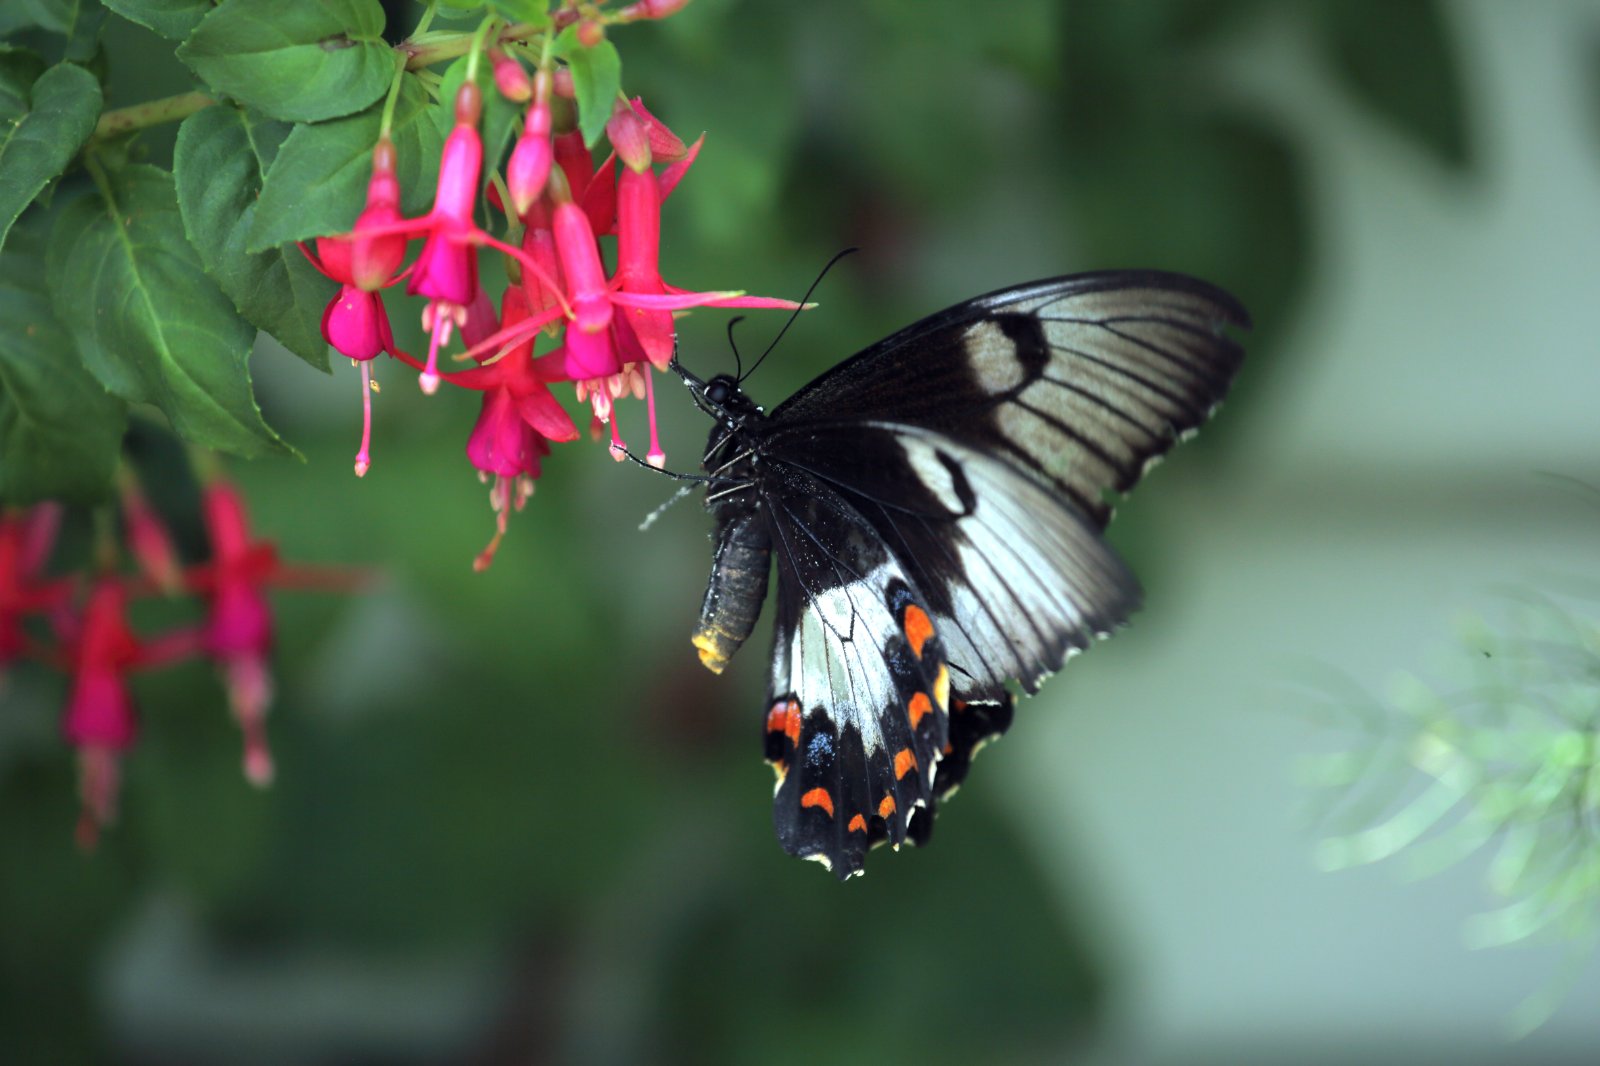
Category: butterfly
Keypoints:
(933, 508)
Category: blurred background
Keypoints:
(516, 822)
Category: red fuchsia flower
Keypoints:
(100, 720)
(355, 322)
(518, 420)
(237, 633)
(26, 540)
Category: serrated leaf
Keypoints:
(298, 60)
(596, 80)
(172, 19)
(65, 102)
(60, 431)
(317, 184)
(218, 166)
(78, 21)
(500, 116)
(147, 320)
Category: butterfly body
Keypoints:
(932, 508)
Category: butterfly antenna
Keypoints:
(738, 364)
(795, 314)
(650, 519)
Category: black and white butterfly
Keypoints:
(934, 506)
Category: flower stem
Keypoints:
(150, 113)
(435, 51)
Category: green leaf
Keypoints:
(218, 166)
(318, 182)
(65, 104)
(60, 431)
(532, 12)
(147, 320)
(500, 116)
(172, 19)
(596, 80)
(19, 69)
(299, 60)
(1398, 58)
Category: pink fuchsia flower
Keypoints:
(447, 270)
(101, 722)
(26, 540)
(237, 633)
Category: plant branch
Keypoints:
(179, 107)
(150, 113)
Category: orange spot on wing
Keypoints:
(785, 718)
(918, 628)
(818, 797)
(904, 763)
(919, 706)
(886, 808)
(858, 824)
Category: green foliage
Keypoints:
(317, 183)
(60, 431)
(297, 60)
(172, 19)
(1503, 761)
(146, 319)
(596, 80)
(63, 105)
(221, 156)
(529, 12)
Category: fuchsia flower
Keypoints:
(147, 536)
(447, 270)
(26, 540)
(355, 322)
(237, 633)
(101, 721)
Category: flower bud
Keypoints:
(509, 77)
(630, 137)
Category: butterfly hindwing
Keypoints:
(859, 687)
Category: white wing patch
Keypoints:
(835, 657)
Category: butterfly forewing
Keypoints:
(1080, 380)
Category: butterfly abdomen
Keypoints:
(738, 585)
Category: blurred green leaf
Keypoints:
(596, 80)
(147, 320)
(532, 12)
(1398, 57)
(64, 104)
(298, 60)
(172, 19)
(60, 431)
(19, 69)
(220, 159)
(317, 183)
